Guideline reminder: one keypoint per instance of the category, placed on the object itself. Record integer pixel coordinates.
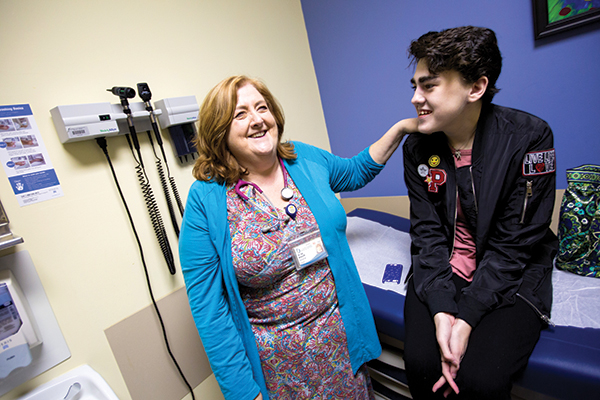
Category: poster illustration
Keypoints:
(24, 156)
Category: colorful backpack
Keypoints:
(579, 224)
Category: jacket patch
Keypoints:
(434, 161)
(435, 179)
(539, 163)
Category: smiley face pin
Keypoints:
(434, 161)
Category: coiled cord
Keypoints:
(176, 193)
(124, 93)
(165, 187)
(155, 218)
(171, 179)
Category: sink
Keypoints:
(81, 383)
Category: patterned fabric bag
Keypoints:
(579, 224)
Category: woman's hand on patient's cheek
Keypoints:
(408, 125)
(383, 148)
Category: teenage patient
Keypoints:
(481, 183)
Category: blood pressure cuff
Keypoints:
(579, 224)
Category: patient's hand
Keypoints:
(444, 324)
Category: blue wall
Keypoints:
(359, 54)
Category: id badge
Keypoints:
(307, 248)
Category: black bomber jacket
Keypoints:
(507, 195)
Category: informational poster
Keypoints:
(24, 156)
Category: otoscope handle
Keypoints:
(123, 91)
(145, 94)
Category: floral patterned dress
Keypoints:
(294, 313)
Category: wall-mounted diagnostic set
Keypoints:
(88, 121)
(100, 121)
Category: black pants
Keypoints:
(498, 349)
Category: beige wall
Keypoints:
(69, 52)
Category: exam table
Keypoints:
(565, 363)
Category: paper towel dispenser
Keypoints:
(18, 330)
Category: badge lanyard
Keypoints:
(307, 247)
(286, 193)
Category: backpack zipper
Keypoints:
(528, 194)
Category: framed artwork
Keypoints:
(554, 16)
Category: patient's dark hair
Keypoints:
(469, 50)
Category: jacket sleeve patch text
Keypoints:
(539, 163)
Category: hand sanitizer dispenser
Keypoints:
(18, 332)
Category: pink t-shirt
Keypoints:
(463, 256)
